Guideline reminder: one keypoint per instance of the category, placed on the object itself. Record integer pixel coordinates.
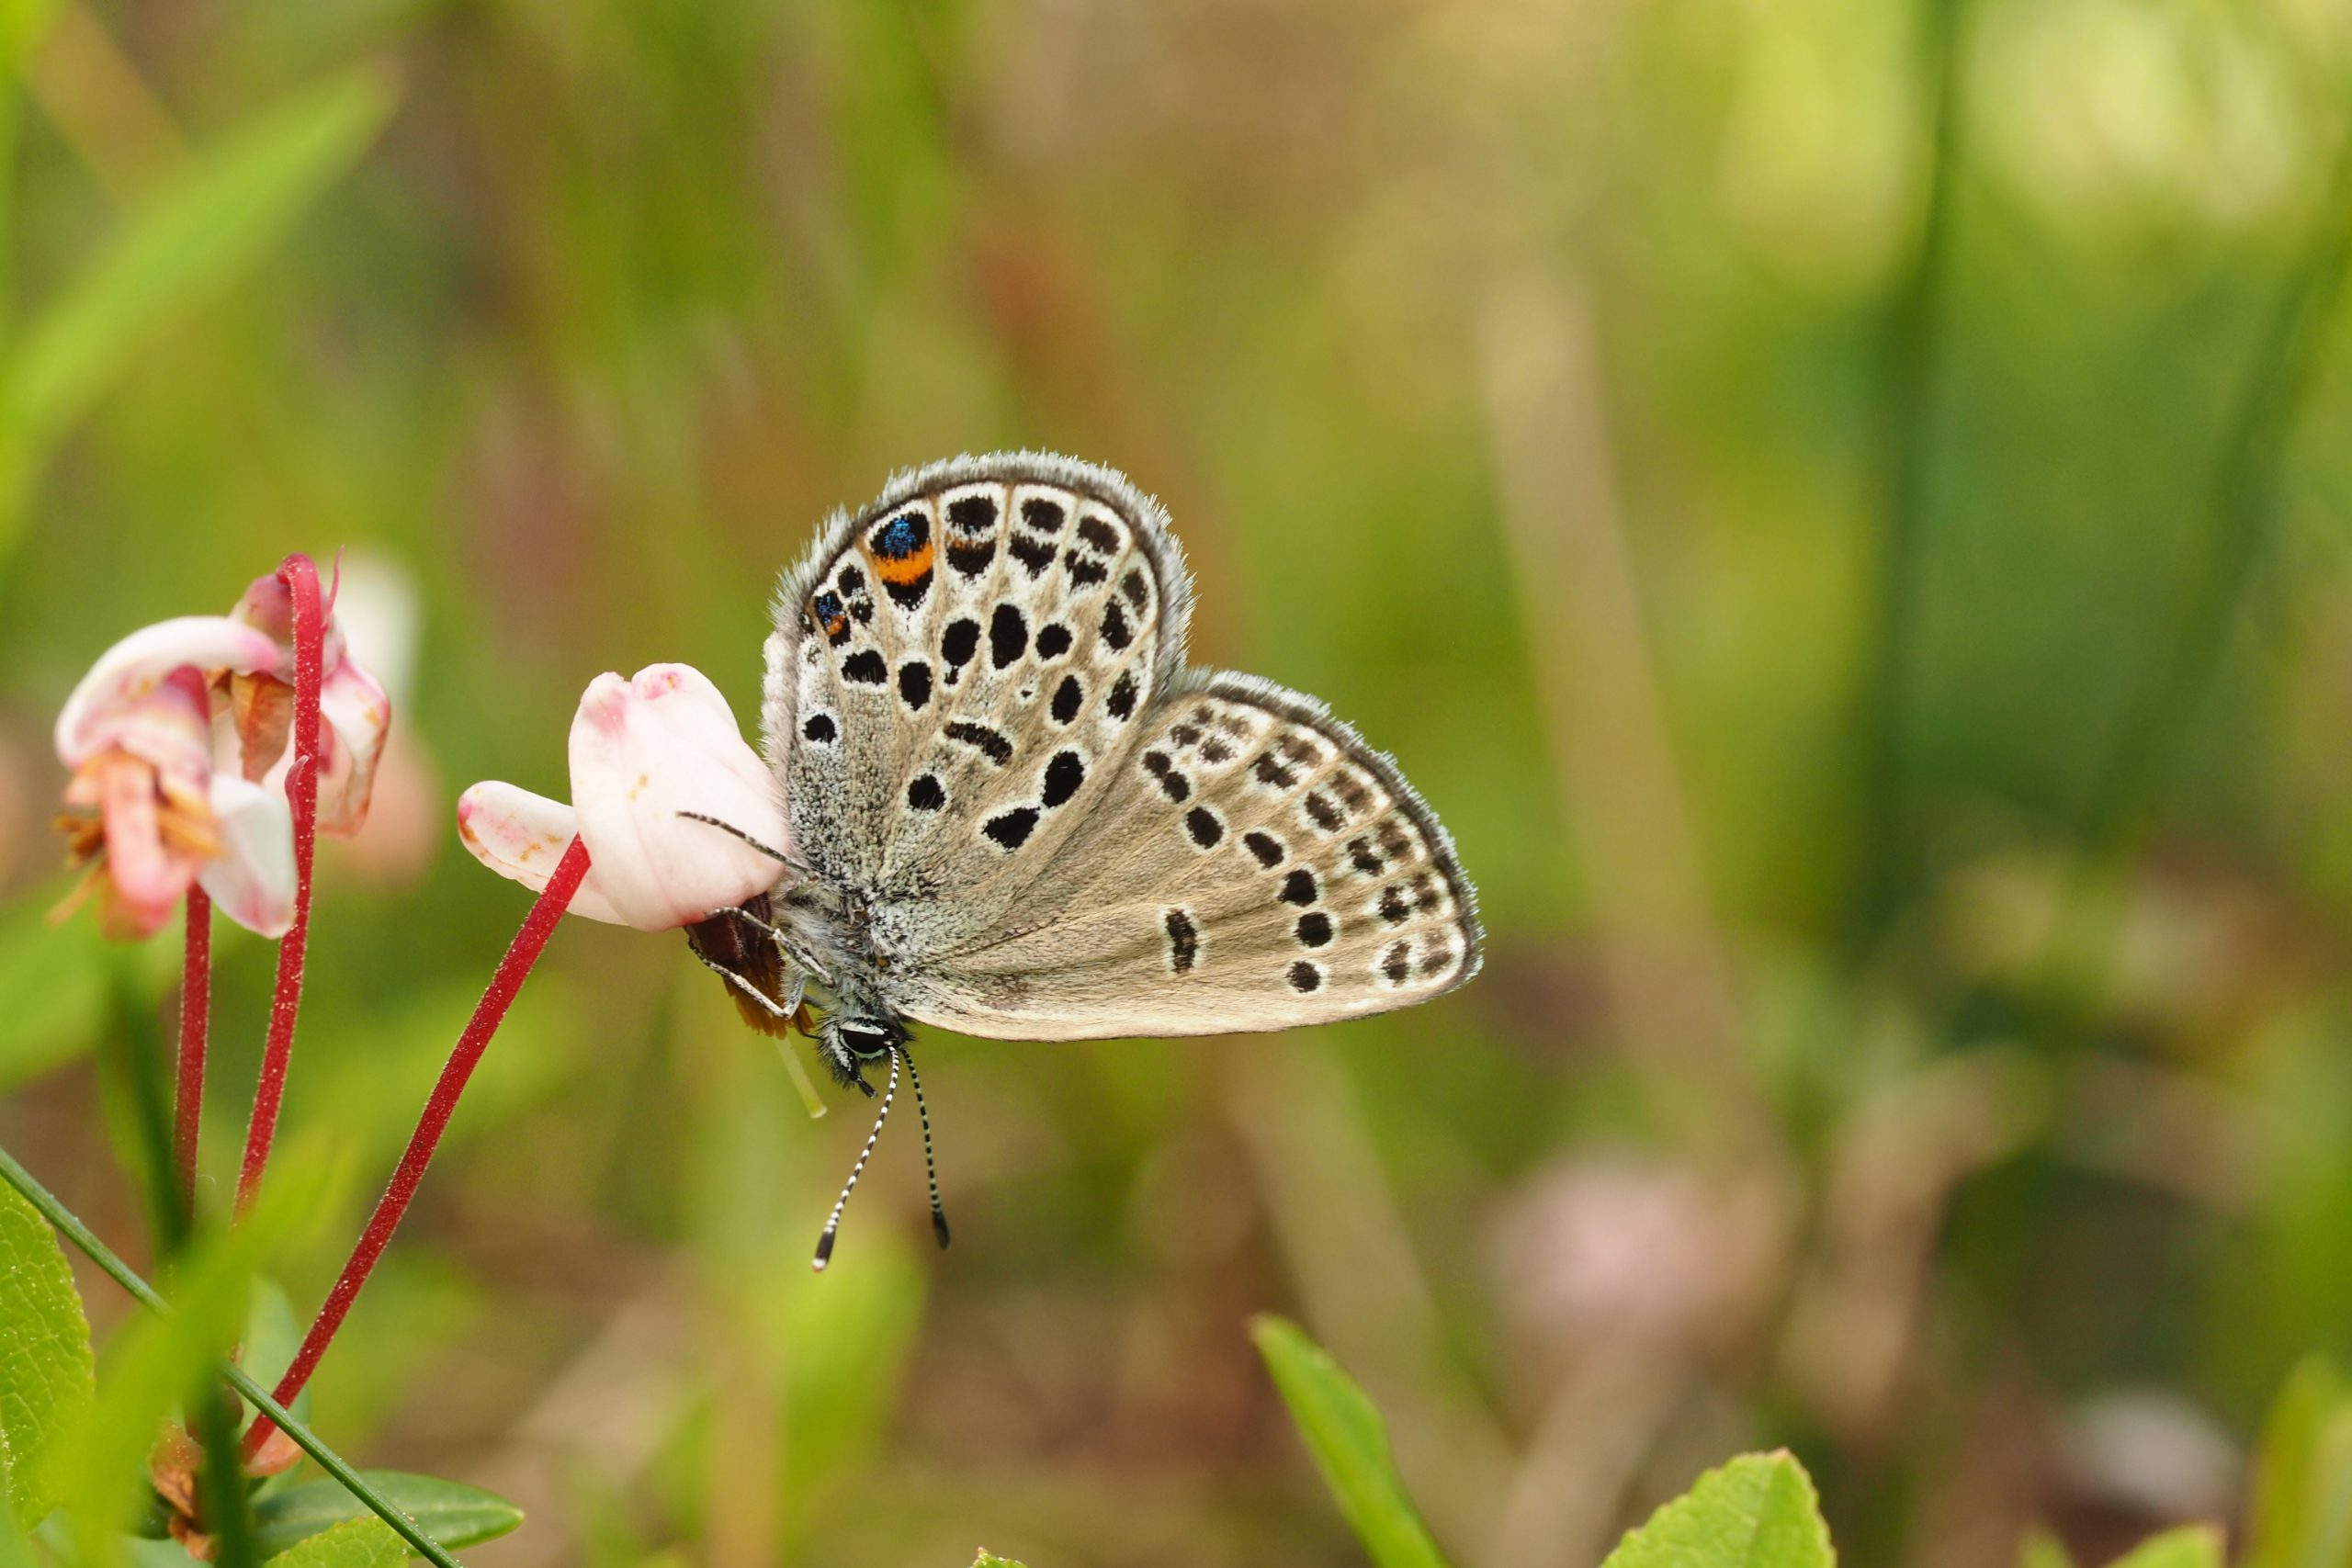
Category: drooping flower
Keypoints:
(649, 757)
(178, 740)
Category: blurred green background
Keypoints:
(1839, 504)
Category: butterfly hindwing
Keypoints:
(1253, 865)
(956, 674)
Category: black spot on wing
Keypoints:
(1008, 636)
(1045, 516)
(959, 643)
(1183, 940)
(1398, 962)
(1314, 929)
(866, 667)
(972, 513)
(1122, 703)
(1063, 775)
(1172, 782)
(1205, 827)
(971, 559)
(1321, 812)
(982, 739)
(1053, 640)
(819, 728)
(1115, 629)
(1298, 887)
(1067, 696)
(1265, 846)
(925, 794)
(1134, 587)
(1036, 555)
(1305, 976)
(914, 683)
(1099, 533)
(1084, 570)
(1011, 830)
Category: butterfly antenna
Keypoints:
(729, 828)
(930, 1166)
(833, 1223)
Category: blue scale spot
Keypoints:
(900, 538)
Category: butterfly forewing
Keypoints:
(1254, 866)
(957, 674)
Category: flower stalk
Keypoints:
(504, 985)
(196, 1027)
(300, 577)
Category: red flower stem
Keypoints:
(512, 969)
(301, 579)
(196, 1022)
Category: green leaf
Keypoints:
(209, 225)
(451, 1514)
(46, 1375)
(360, 1544)
(2190, 1546)
(2302, 1482)
(1350, 1443)
(1758, 1511)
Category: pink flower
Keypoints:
(178, 740)
(644, 753)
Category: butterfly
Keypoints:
(1018, 813)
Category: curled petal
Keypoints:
(521, 836)
(132, 670)
(357, 716)
(645, 750)
(268, 607)
(253, 879)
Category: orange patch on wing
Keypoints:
(906, 568)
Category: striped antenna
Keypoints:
(834, 1225)
(930, 1166)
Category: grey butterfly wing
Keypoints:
(956, 673)
(1253, 865)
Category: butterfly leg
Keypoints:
(746, 988)
(775, 934)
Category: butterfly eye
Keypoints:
(867, 1039)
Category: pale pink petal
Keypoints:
(645, 750)
(163, 727)
(521, 836)
(132, 670)
(356, 716)
(252, 882)
(150, 876)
